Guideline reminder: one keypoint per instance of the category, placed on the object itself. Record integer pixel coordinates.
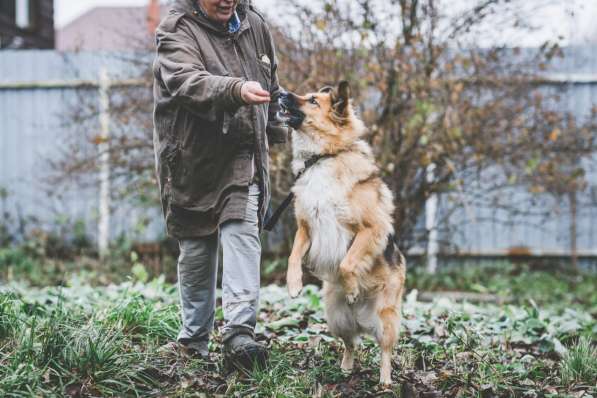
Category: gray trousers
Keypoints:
(197, 277)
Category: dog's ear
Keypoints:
(342, 98)
(326, 89)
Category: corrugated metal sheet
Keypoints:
(32, 122)
(488, 230)
(42, 65)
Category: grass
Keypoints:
(54, 350)
(579, 364)
(88, 340)
(29, 263)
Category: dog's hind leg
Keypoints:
(341, 322)
(387, 340)
(350, 344)
(389, 312)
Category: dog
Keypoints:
(344, 217)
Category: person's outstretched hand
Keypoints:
(253, 94)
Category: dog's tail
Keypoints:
(392, 253)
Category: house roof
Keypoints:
(109, 29)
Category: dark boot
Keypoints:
(196, 350)
(244, 353)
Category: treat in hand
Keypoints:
(253, 94)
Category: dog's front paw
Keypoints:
(294, 278)
(295, 288)
(351, 287)
(294, 282)
(351, 297)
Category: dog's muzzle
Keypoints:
(289, 112)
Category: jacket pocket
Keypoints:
(265, 69)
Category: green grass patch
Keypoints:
(517, 282)
(579, 364)
(85, 340)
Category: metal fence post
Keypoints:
(104, 164)
(431, 224)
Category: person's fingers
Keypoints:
(261, 98)
(261, 92)
(255, 99)
(255, 94)
(256, 87)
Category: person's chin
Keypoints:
(224, 18)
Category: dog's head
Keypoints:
(326, 114)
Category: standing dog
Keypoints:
(344, 217)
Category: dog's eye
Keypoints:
(313, 100)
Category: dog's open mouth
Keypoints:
(289, 113)
(284, 114)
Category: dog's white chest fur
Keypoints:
(322, 200)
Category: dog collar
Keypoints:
(310, 163)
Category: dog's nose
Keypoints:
(284, 99)
(287, 99)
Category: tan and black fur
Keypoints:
(345, 229)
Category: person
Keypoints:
(216, 91)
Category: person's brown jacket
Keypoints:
(205, 136)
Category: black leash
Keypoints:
(271, 222)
